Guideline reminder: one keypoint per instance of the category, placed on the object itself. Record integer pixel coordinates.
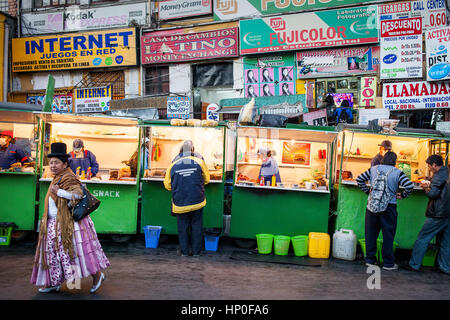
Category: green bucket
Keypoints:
(430, 257)
(264, 242)
(300, 244)
(281, 244)
(379, 247)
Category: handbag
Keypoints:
(87, 204)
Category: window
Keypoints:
(53, 3)
(157, 80)
(213, 75)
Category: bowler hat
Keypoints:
(58, 150)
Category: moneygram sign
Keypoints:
(176, 9)
(109, 48)
(309, 30)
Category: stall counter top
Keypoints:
(18, 172)
(98, 181)
(281, 188)
(353, 183)
(162, 179)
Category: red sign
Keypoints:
(401, 27)
(160, 47)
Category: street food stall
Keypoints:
(18, 182)
(356, 148)
(164, 143)
(115, 143)
(297, 205)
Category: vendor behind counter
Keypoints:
(9, 152)
(82, 158)
(269, 166)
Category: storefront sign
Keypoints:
(109, 48)
(416, 95)
(316, 118)
(175, 9)
(106, 193)
(61, 103)
(336, 62)
(432, 12)
(438, 59)
(401, 48)
(160, 47)
(269, 76)
(75, 19)
(341, 27)
(178, 107)
(443, 126)
(366, 115)
(92, 99)
(235, 9)
(368, 92)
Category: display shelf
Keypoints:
(353, 183)
(162, 179)
(97, 181)
(98, 136)
(279, 165)
(281, 188)
(370, 158)
(166, 139)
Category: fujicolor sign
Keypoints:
(348, 26)
(99, 49)
(160, 47)
(175, 9)
(235, 9)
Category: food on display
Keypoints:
(114, 175)
(177, 122)
(194, 122)
(209, 123)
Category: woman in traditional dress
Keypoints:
(66, 250)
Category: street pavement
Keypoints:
(138, 273)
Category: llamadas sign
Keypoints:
(100, 49)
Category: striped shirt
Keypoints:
(395, 179)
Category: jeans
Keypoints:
(386, 222)
(193, 222)
(430, 229)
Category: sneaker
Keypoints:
(50, 289)
(394, 267)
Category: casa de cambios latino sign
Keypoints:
(330, 28)
(99, 49)
(163, 47)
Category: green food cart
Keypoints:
(359, 146)
(164, 142)
(301, 202)
(18, 185)
(115, 141)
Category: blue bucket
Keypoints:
(152, 236)
(211, 243)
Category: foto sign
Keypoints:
(175, 9)
(95, 49)
(416, 95)
(92, 99)
(331, 28)
(368, 91)
(438, 45)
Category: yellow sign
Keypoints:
(99, 49)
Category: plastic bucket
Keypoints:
(379, 248)
(264, 242)
(211, 243)
(281, 244)
(152, 236)
(5, 236)
(300, 244)
(430, 257)
(362, 243)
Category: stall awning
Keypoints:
(93, 119)
(288, 134)
(16, 116)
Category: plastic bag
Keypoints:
(248, 113)
(273, 120)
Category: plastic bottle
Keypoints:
(89, 173)
(274, 181)
(261, 181)
(83, 175)
(78, 172)
(344, 244)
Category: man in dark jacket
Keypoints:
(186, 178)
(438, 217)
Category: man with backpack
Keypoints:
(438, 216)
(381, 212)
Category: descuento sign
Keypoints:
(108, 48)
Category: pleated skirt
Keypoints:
(88, 259)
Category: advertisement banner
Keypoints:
(316, 118)
(100, 49)
(61, 103)
(269, 76)
(236, 9)
(75, 19)
(161, 47)
(401, 48)
(438, 46)
(368, 92)
(416, 95)
(336, 62)
(92, 99)
(432, 12)
(178, 107)
(296, 153)
(175, 9)
(331, 28)
(366, 115)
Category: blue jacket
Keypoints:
(186, 178)
(10, 155)
(89, 160)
